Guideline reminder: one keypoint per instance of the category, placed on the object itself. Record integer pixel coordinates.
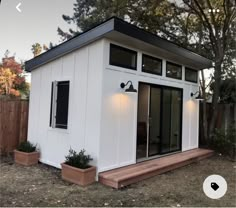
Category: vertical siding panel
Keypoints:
(94, 99)
(79, 95)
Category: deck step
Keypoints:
(124, 176)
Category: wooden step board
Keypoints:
(124, 176)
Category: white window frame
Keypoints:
(54, 105)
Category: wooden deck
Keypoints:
(124, 176)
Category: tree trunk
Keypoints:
(216, 94)
(205, 122)
(203, 87)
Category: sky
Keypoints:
(37, 23)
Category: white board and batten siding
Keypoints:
(83, 68)
(102, 118)
(119, 111)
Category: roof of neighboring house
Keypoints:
(119, 30)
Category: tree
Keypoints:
(12, 79)
(7, 78)
(227, 90)
(218, 31)
(36, 49)
(48, 47)
(88, 13)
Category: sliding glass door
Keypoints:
(159, 120)
(171, 120)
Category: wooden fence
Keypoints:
(226, 116)
(13, 124)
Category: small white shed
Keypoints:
(77, 99)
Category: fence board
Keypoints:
(226, 116)
(13, 124)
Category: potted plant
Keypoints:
(26, 154)
(76, 168)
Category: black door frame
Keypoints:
(161, 87)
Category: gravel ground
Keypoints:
(42, 185)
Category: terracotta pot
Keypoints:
(78, 176)
(25, 158)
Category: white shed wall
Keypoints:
(119, 111)
(83, 68)
(102, 118)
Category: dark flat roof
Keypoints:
(109, 28)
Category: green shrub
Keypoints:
(78, 160)
(225, 141)
(26, 147)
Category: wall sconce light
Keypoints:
(199, 96)
(130, 89)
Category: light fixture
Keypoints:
(199, 96)
(130, 88)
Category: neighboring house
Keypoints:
(76, 99)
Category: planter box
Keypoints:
(78, 176)
(27, 159)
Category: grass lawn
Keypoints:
(42, 185)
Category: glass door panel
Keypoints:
(176, 109)
(171, 120)
(166, 121)
(142, 123)
(154, 121)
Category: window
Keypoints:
(151, 65)
(123, 57)
(59, 104)
(173, 70)
(191, 75)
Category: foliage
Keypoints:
(88, 13)
(36, 49)
(225, 141)
(12, 79)
(26, 147)
(7, 78)
(79, 160)
(227, 90)
(48, 47)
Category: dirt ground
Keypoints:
(42, 185)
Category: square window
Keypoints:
(123, 57)
(191, 75)
(173, 70)
(151, 65)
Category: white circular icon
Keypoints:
(215, 186)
